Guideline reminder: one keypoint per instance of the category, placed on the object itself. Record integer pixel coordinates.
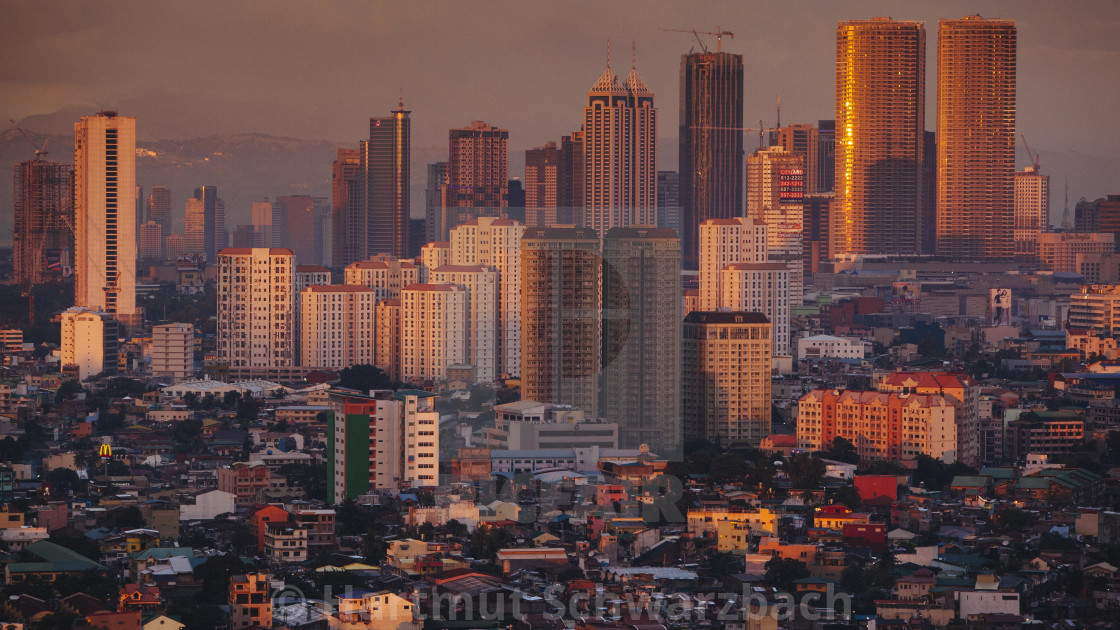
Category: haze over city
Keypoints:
(319, 70)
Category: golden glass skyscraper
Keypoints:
(976, 138)
(880, 123)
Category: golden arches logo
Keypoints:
(106, 451)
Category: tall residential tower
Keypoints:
(976, 138)
(880, 124)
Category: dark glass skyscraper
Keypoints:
(208, 195)
(711, 143)
(385, 162)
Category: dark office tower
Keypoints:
(560, 317)
(208, 195)
(433, 201)
(302, 224)
(711, 143)
(669, 200)
(515, 211)
(801, 139)
(246, 236)
(569, 197)
(542, 185)
(642, 337)
(348, 217)
(221, 236)
(826, 155)
(929, 193)
(385, 163)
(880, 115)
(140, 209)
(417, 231)
(159, 208)
(976, 138)
(477, 175)
(815, 231)
(44, 208)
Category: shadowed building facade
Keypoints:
(560, 317)
(641, 337)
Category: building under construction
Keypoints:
(44, 211)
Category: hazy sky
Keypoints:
(320, 69)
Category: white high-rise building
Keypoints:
(760, 288)
(433, 330)
(775, 190)
(432, 255)
(381, 442)
(336, 326)
(724, 242)
(481, 285)
(256, 307)
(105, 215)
(496, 243)
(89, 342)
(173, 351)
(384, 274)
(1032, 211)
(620, 153)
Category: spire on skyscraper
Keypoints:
(634, 83)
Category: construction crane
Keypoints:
(1032, 155)
(761, 129)
(40, 149)
(719, 33)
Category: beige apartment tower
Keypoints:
(880, 128)
(173, 351)
(387, 350)
(620, 151)
(433, 331)
(384, 274)
(481, 285)
(1032, 211)
(496, 243)
(336, 326)
(560, 317)
(775, 195)
(725, 377)
(105, 215)
(724, 242)
(976, 138)
(256, 307)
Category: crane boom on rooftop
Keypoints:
(719, 33)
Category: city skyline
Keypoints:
(542, 106)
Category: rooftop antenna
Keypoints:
(1067, 222)
(779, 125)
(608, 54)
(633, 54)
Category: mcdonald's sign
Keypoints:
(106, 451)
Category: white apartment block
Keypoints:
(256, 307)
(481, 285)
(173, 351)
(830, 347)
(89, 342)
(384, 274)
(337, 324)
(432, 255)
(496, 243)
(760, 288)
(433, 330)
(724, 242)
